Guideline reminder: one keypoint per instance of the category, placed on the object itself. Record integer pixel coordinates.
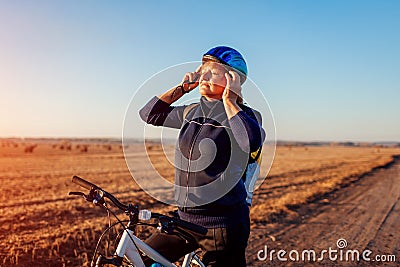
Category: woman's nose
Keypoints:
(205, 76)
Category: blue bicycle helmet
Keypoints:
(228, 56)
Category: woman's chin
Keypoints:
(204, 91)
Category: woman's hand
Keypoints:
(191, 80)
(231, 93)
(233, 88)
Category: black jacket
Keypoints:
(210, 158)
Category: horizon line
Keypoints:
(170, 139)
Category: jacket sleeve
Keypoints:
(159, 113)
(247, 129)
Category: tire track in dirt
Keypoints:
(365, 213)
(387, 237)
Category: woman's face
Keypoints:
(212, 80)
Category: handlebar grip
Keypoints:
(85, 184)
(191, 226)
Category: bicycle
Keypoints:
(130, 247)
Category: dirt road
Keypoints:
(364, 215)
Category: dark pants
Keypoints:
(221, 246)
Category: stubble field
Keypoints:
(40, 225)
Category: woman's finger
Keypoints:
(228, 80)
(235, 76)
(186, 78)
(234, 82)
(198, 70)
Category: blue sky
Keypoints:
(329, 69)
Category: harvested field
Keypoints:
(40, 225)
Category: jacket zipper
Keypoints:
(189, 161)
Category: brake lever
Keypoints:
(77, 194)
(86, 197)
(166, 225)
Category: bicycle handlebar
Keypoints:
(88, 185)
(191, 226)
(85, 184)
(181, 223)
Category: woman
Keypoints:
(216, 138)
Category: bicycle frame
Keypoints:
(129, 249)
